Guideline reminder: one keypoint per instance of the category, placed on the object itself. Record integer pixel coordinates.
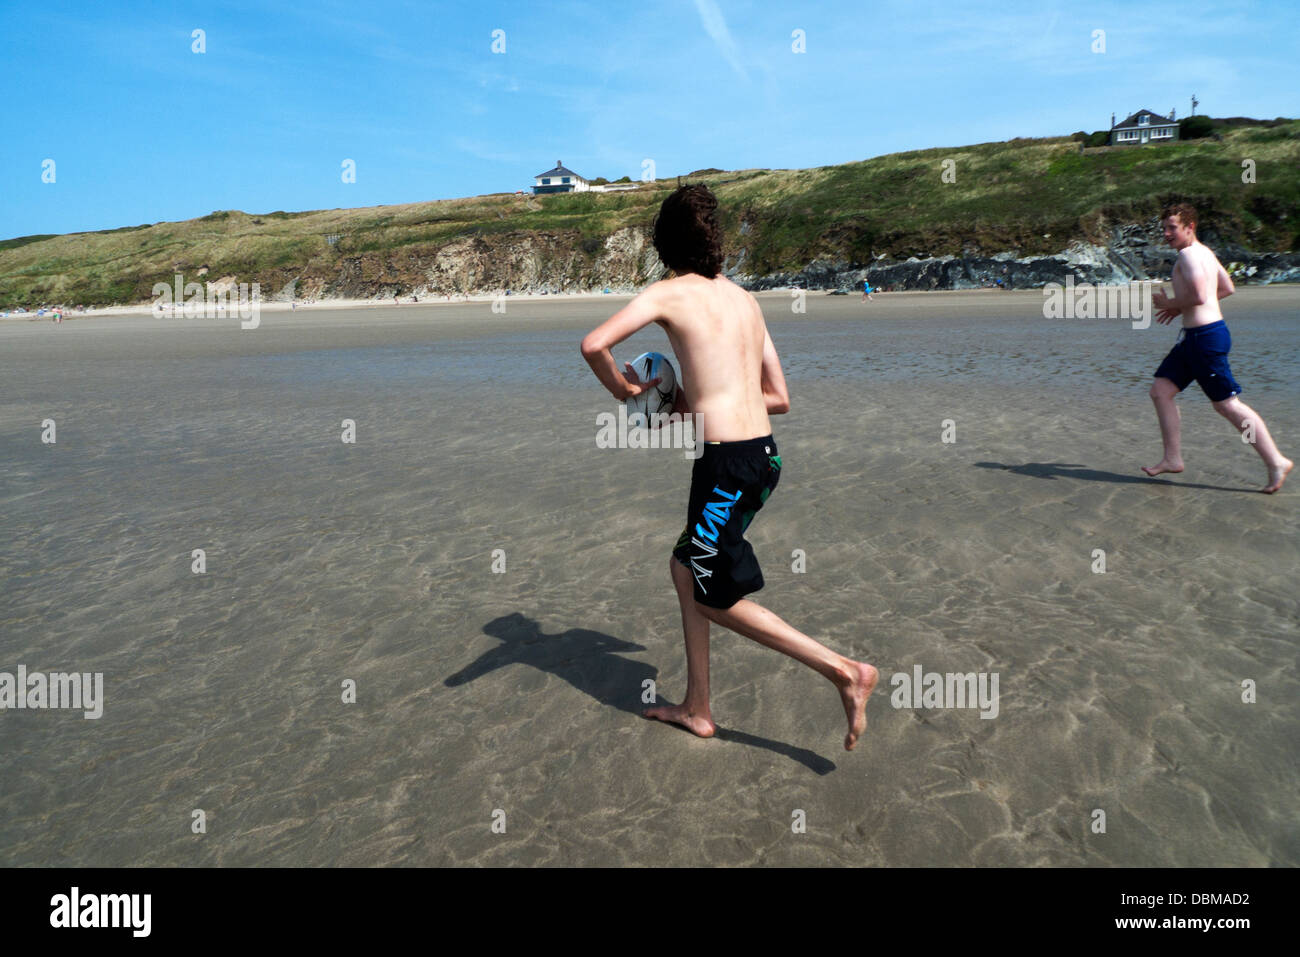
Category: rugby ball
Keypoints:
(660, 398)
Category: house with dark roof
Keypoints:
(1143, 127)
(564, 180)
(559, 180)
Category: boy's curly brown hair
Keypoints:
(686, 232)
(1185, 212)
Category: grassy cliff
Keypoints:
(1030, 196)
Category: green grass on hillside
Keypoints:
(1034, 196)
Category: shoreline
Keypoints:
(337, 305)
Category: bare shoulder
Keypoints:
(666, 293)
(756, 308)
(743, 294)
(683, 291)
(1195, 259)
(671, 300)
(660, 296)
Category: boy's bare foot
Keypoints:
(680, 714)
(1277, 475)
(855, 695)
(1166, 465)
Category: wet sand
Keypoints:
(520, 691)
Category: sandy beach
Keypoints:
(513, 697)
(169, 310)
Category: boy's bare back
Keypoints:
(719, 336)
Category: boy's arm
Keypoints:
(641, 311)
(1189, 282)
(1225, 287)
(774, 391)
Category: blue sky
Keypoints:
(142, 129)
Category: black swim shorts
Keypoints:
(730, 481)
(1202, 354)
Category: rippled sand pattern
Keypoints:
(521, 691)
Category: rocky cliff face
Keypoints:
(521, 262)
(625, 261)
(1135, 252)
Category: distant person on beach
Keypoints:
(1201, 353)
(731, 379)
(866, 291)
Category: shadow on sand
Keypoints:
(1053, 470)
(591, 661)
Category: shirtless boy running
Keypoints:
(1202, 352)
(731, 379)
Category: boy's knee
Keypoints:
(1163, 389)
(1229, 408)
(714, 615)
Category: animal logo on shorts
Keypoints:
(716, 514)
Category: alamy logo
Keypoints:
(660, 430)
(102, 910)
(213, 300)
(947, 690)
(58, 689)
(1088, 301)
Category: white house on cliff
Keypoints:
(563, 180)
(1144, 127)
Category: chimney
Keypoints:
(1112, 121)
(1173, 114)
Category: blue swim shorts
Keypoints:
(1202, 354)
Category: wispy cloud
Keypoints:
(487, 152)
(716, 27)
(507, 84)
